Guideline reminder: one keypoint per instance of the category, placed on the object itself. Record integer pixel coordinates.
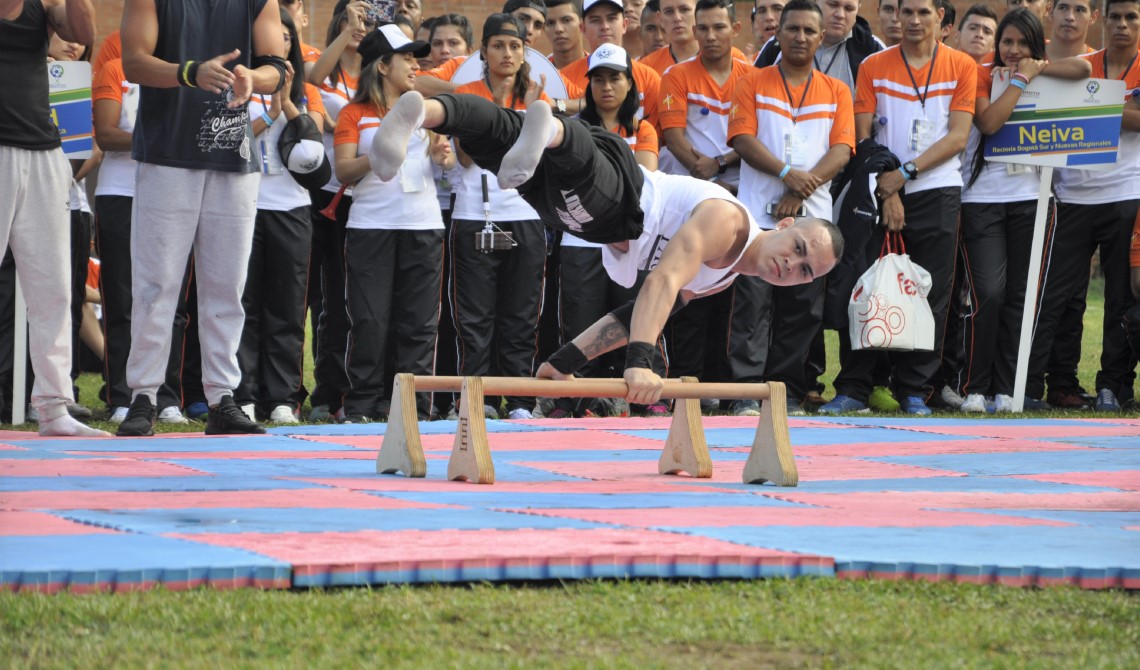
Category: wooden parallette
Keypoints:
(685, 449)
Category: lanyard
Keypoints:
(926, 91)
(788, 90)
(1124, 75)
(834, 55)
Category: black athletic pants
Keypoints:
(113, 244)
(393, 285)
(796, 315)
(496, 298)
(1061, 371)
(1079, 230)
(996, 240)
(735, 321)
(330, 337)
(272, 345)
(80, 253)
(590, 185)
(930, 235)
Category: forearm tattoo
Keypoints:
(611, 336)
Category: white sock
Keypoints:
(520, 162)
(65, 426)
(390, 146)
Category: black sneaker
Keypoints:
(226, 418)
(140, 418)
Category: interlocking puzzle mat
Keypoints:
(1021, 502)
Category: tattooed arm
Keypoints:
(605, 335)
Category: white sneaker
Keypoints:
(250, 411)
(171, 414)
(975, 403)
(119, 414)
(955, 400)
(1003, 403)
(520, 413)
(32, 415)
(283, 414)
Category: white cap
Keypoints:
(590, 4)
(610, 56)
(305, 156)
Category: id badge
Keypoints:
(795, 150)
(270, 158)
(921, 134)
(412, 175)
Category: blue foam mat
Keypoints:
(426, 428)
(743, 437)
(1025, 462)
(681, 499)
(207, 483)
(177, 444)
(918, 484)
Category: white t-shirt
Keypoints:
(278, 191)
(668, 201)
(117, 171)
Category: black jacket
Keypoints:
(861, 44)
(857, 216)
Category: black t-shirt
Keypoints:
(25, 116)
(189, 127)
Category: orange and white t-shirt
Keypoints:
(692, 100)
(1122, 182)
(117, 172)
(335, 97)
(663, 59)
(647, 80)
(111, 49)
(645, 139)
(906, 125)
(997, 182)
(799, 124)
(278, 191)
(309, 53)
(444, 71)
(506, 205)
(407, 202)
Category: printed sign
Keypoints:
(1060, 123)
(69, 92)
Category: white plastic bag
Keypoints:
(888, 308)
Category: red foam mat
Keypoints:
(39, 523)
(93, 467)
(1129, 480)
(345, 455)
(1083, 502)
(274, 499)
(655, 484)
(929, 448)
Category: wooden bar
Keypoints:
(593, 388)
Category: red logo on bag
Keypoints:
(907, 286)
(855, 296)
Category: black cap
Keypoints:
(537, 5)
(387, 39)
(302, 152)
(503, 24)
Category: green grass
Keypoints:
(643, 624)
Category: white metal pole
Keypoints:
(1031, 285)
(20, 353)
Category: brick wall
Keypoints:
(320, 11)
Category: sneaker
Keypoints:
(197, 411)
(172, 415)
(974, 403)
(320, 414)
(354, 419)
(709, 405)
(844, 404)
(250, 410)
(916, 406)
(520, 413)
(951, 398)
(558, 413)
(1106, 401)
(226, 418)
(32, 415)
(656, 410)
(140, 418)
(544, 407)
(1066, 399)
(452, 413)
(813, 400)
(880, 400)
(1034, 404)
(283, 414)
(607, 407)
(744, 408)
(490, 412)
(795, 409)
(78, 411)
(1003, 403)
(118, 414)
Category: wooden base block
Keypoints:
(685, 447)
(401, 450)
(470, 454)
(771, 457)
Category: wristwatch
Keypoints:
(560, 105)
(723, 163)
(910, 169)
